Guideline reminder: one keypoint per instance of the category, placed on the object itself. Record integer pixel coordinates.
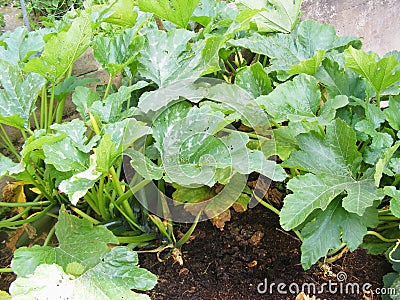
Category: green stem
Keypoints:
(39, 186)
(100, 199)
(388, 226)
(388, 218)
(24, 204)
(85, 216)
(6, 270)
(108, 87)
(92, 203)
(267, 205)
(43, 108)
(29, 220)
(131, 221)
(7, 142)
(378, 99)
(136, 239)
(35, 119)
(382, 238)
(51, 108)
(132, 191)
(120, 192)
(60, 110)
(49, 236)
(275, 210)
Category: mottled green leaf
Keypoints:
(79, 241)
(273, 15)
(333, 162)
(286, 50)
(297, 98)
(116, 52)
(84, 98)
(143, 165)
(18, 95)
(254, 80)
(167, 57)
(62, 50)
(78, 185)
(175, 11)
(381, 73)
(75, 130)
(110, 110)
(392, 192)
(21, 44)
(192, 154)
(64, 156)
(330, 228)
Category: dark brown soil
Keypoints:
(232, 263)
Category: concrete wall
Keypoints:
(377, 21)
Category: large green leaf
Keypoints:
(273, 15)
(175, 11)
(79, 241)
(78, 185)
(83, 264)
(21, 44)
(254, 80)
(330, 228)
(340, 81)
(297, 98)
(18, 95)
(124, 133)
(117, 52)
(192, 154)
(62, 50)
(167, 57)
(75, 130)
(333, 162)
(114, 277)
(286, 50)
(64, 156)
(381, 73)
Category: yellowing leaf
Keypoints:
(14, 192)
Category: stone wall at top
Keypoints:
(376, 21)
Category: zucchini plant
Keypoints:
(211, 92)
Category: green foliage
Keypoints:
(82, 264)
(299, 105)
